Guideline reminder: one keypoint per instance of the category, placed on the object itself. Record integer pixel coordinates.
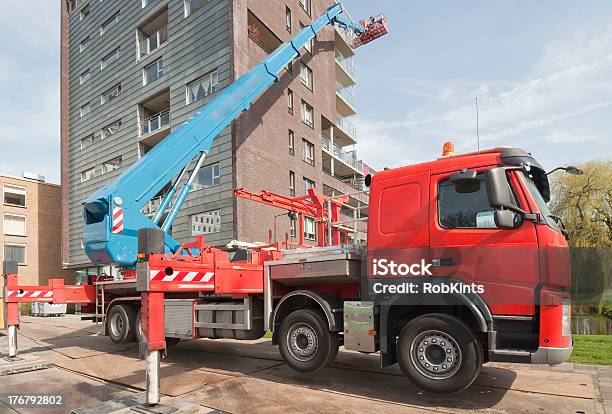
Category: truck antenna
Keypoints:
(477, 129)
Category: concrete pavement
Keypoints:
(249, 377)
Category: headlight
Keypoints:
(566, 319)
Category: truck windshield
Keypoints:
(547, 216)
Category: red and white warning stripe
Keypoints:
(117, 220)
(34, 294)
(176, 276)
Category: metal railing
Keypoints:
(345, 94)
(347, 63)
(154, 41)
(347, 157)
(155, 122)
(349, 224)
(345, 125)
(347, 34)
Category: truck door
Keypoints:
(466, 245)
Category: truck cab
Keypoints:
(481, 220)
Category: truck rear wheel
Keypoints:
(121, 323)
(305, 342)
(439, 353)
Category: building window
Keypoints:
(306, 183)
(84, 43)
(111, 165)
(111, 129)
(290, 101)
(288, 19)
(310, 228)
(110, 58)
(310, 44)
(291, 183)
(306, 6)
(191, 6)
(15, 253)
(202, 87)
(308, 151)
(85, 76)
(307, 114)
(14, 195)
(85, 12)
(291, 142)
(14, 225)
(88, 174)
(208, 176)
(89, 140)
(292, 228)
(73, 5)
(85, 109)
(110, 22)
(153, 72)
(306, 75)
(206, 223)
(110, 94)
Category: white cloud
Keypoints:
(557, 108)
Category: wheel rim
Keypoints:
(302, 341)
(116, 324)
(435, 354)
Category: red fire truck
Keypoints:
(478, 218)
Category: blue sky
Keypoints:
(542, 71)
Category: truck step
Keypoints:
(510, 355)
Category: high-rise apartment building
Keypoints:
(133, 70)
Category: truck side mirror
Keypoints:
(498, 189)
(507, 219)
(465, 181)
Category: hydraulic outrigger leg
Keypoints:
(9, 269)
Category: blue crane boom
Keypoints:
(113, 214)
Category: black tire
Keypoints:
(305, 342)
(138, 332)
(120, 323)
(439, 353)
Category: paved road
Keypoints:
(249, 377)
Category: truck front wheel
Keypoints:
(121, 323)
(305, 342)
(439, 353)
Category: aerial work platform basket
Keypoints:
(374, 27)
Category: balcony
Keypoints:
(345, 100)
(154, 41)
(344, 40)
(345, 69)
(155, 122)
(153, 33)
(348, 158)
(346, 126)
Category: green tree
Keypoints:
(584, 203)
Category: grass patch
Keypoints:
(268, 335)
(592, 349)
